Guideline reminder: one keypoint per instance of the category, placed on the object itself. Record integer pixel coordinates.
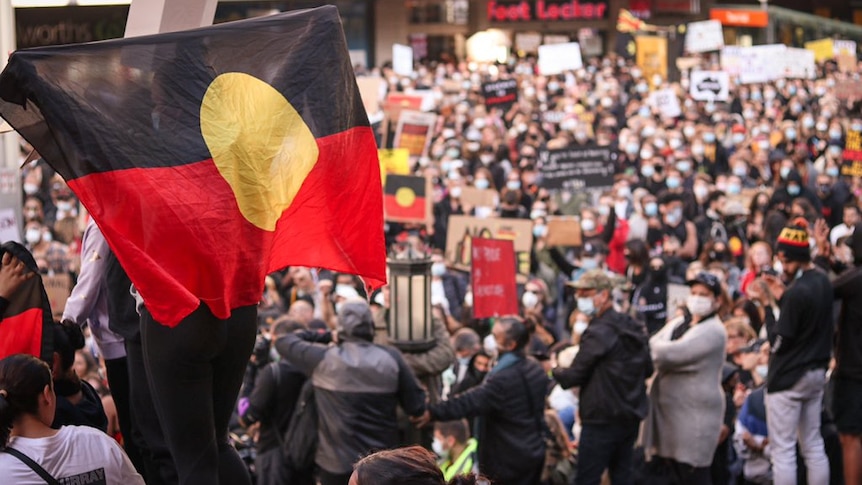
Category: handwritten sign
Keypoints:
(576, 168)
(852, 165)
(704, 36)
(9, 226)
(493, 278)
(463, 229)
(58, 287)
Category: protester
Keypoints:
(413, 465)
(455, 447)
(70, 454)
(610, 369)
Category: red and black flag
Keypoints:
(405, 199)
(26, 324)
(213, 156)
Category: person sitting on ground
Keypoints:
(412, 465)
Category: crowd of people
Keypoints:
(751, 376)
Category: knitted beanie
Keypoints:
(793, 241)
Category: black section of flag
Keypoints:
(404, 198)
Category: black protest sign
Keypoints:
(576, 168)
(502, 94)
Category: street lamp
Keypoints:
(410, 323)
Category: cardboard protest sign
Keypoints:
(731, 60)
(393, 160)
(676, 296)
(823, 49)
(576, 168)
(651, 56)
(369, 89)
(848, 89)
(413, 132)
(563, 231)
(709, 85)
(473, 197)
(852, 164)
(845, 55)
(558, 58)
(407, 199)
(9, 226)
(799, 64)
(704, 36)
(58, 287)
(528, 42)
(10, 197)
(667, 103)
(502, 93)
(493, 278)
(402, 59)
(463, 229)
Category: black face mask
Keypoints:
(658, 274)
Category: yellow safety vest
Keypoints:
(464, 464)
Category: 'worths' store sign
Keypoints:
(541, 10)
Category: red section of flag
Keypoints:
(493, 278)
(414, 211)
(22, 333)
(179, 232)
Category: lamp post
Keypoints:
(410, 324)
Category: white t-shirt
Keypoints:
(76, 455)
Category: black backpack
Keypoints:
(300, 439)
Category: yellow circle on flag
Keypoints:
(405, 197)
(259, 144)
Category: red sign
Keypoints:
(525, 11)
(740, 18)
(493, 278)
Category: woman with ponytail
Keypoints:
(31, 452)
(412, 465)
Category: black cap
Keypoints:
(706, 279)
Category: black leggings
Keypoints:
(195, 371)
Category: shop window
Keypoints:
(438, 11)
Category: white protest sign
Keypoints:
(762, 63)
(402, 59)
(9, 226)
(709, 85)
(666, 102)
(799, 64)
(704, 36)
(844, 47)
(557, 58)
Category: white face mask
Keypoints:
(588, 225)
(587, 306)
(33, 236)
(762, 370)
(30, 189)
(437, 446)
(699, 305)
(529, 300)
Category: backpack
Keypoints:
(300, 439)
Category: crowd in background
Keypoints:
(705, 199)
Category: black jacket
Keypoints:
(272, 402)
(610, 368)
(848, 341)
(512, 403)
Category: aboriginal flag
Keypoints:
(26, 324)
(213, 156)
(405, 199)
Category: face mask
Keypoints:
(790, 134)
(738, 138)
(33, 236)
(769, 95)
(624, 192)
(64, 206)
(452, 153)
(581, 137)
(648, 131)
(513, 184)
(647, 171)
(589, 263)
(740, 171)
(536, 213)
(30, 189)
(651, 209)
(699, 305)
(529, 300)
(762, 370)
(674, 216)
(455, 193)
(539, 230)
(620, 209)
(604, 210)
(607, 102)
(659, 143)
(734, 189)
(486, 159)
(709, 137)
(835, 150)
(473, 146)
(832, 171)
(756, 96)
(793, 190)
(675, 143)
(683, 166)
(632, 148)
(438, 269)
(468, 299)
(835, 134)
(580, 327)
(642, 88)
(587, 306)
(808, 123)
(646, 154)
(701, 191)
(47, 236)
(437, 446)
(588, 225)
(697, 150)
(784, 172)
(672, 182)
(688, 131)
(481, 184)
(856, 127)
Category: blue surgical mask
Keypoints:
(784, 172)
(589, 263)
(734, 189)
(793, 190)
(672, 182)
(674, 216)
(643, 112)
(835, 134)
(587, 306)
(790, 134)
(740, 171)
(513, 185)
(832, 171)
(683, 166)
(481, 184)
(588, 225)
(651, 209)
(438, 269)
(632, 148)
(539, 230)
(808, 123)
(709, 137)
(647, 170)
